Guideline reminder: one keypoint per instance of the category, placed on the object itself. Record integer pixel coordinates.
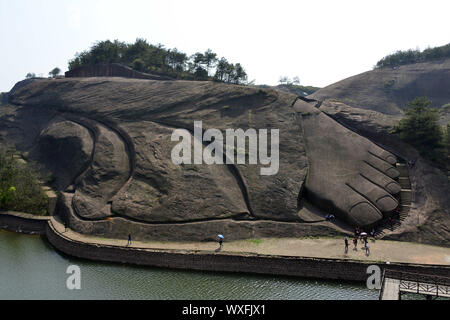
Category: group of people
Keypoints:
(364, 237)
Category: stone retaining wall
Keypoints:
(111, 70)
(23, 222)
(333, 269)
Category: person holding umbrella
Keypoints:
(364, 237)
(221, 237)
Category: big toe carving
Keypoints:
(348, 175)
(364, 213)
(373, 193)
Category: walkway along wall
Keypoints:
(334, 269)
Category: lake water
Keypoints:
(31, 269)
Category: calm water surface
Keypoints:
(31, 269)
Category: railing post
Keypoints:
(382, 284)
(437, 287)
(418, 284)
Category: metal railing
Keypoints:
(419, 283)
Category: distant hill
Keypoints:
(414, 56)
(387, 90)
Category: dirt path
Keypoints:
(380, 250)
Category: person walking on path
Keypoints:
(355, 243)
(129, 240)
(365, 238)
(221, 237)
(346, 245)
(366, 246)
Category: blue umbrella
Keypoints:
(221, 236)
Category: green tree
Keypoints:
(137, 50)
(201, 73)
(177, 61)
(198, 60)
(210, 59)
(420, 128)
(240, 75)
(147, 57)
(30, 75)
(221, 69)
(107, 52)
(20, 189)
(55, 72)
(230, 73)
(284, 80)
(138, 64)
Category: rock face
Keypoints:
(108, 143)
(386, 90)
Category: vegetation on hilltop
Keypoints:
(54, 72)
(20, 189)
(145, 57)
(421, 129)
(414, 56)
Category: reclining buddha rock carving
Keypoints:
(338, 170)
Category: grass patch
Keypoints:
(255, 241)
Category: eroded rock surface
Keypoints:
(108, 143)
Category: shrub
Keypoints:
(20, 189)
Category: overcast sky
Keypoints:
(321, 42)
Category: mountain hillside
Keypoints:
(388, 89)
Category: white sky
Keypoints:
(319, 41)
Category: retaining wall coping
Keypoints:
(24, 215)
